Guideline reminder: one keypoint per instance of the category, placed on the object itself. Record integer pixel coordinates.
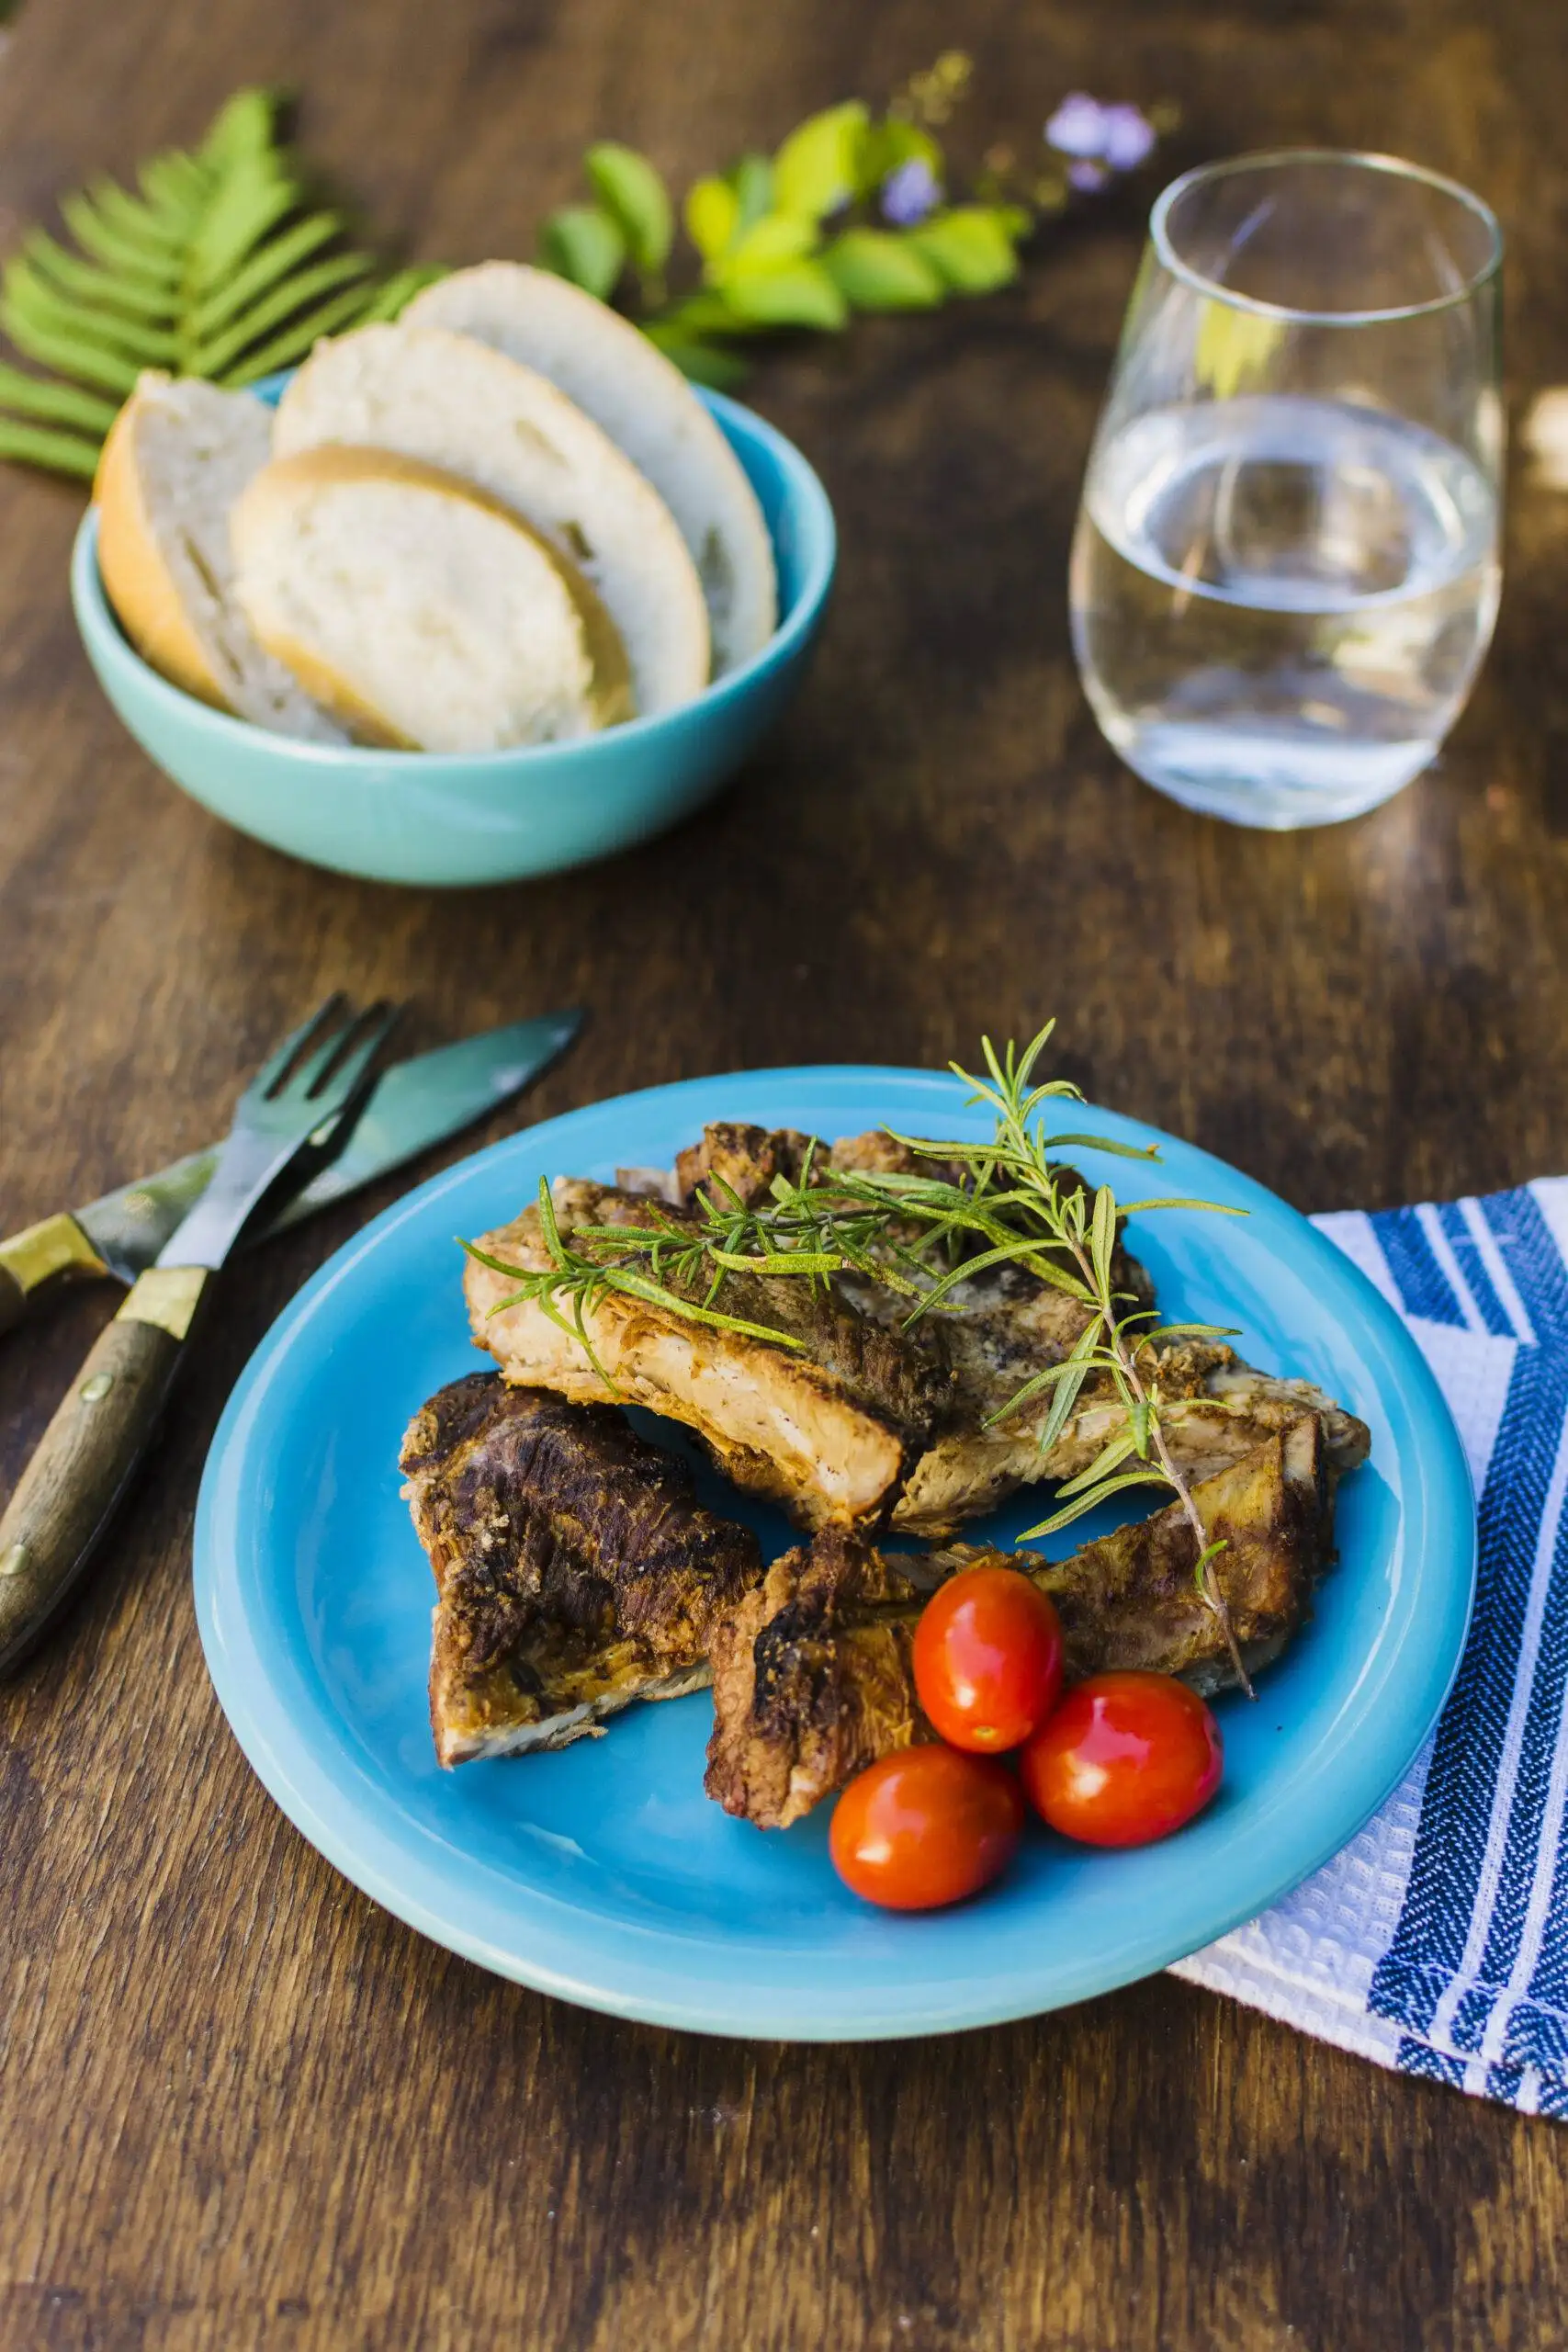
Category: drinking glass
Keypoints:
(1285, 571)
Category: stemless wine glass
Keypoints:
(1285, 571)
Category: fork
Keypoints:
(300, 1103)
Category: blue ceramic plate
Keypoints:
(603, 1873)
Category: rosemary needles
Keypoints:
(956, 1212)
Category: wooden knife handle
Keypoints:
(68, 1493)
(56, 1245)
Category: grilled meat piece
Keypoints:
(813, 1675)
(1215, 1411)
(1129, 1600)
(743, 1159)
(851, 1429)
(831, 1431)
(1001, 1328)
(574, 1571)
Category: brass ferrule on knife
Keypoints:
(56, 1245)
(167, 1296)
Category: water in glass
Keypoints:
(1280, 595)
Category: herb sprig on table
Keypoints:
(856, 212)
(1011, 1206)
(221, 263)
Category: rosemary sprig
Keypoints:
(922, 1236)
(1138, 1453)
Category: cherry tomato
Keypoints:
(926, 1826)
(1126, 1758)
(987, 1659)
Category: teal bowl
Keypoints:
(457, 819)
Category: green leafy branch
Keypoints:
(852, 213)
(922, 1235)
(218, 264)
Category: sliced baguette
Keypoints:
(453, 402)
(422, 612)
(177, 456)
(647, 407)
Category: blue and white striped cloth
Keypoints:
(1437, 1941)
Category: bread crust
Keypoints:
(136, 578)
(459, 404)
(637, 396)
(331, 464)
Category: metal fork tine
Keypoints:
(272, 1069)
(375, 1026)
(311, 1073)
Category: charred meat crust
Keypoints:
(735, 1157)
(574, 1569)
(813, 1674)
(813, 1678)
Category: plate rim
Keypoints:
(360, 1847)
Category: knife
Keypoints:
(284, 1126)
(416, 1103)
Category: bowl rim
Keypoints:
(104, 636)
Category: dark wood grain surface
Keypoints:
(239, 2105)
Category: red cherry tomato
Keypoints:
(926, 1826)
(987, 1659)
(1126, 1758)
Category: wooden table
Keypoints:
(239, 2105)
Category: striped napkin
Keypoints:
(1437, 1941)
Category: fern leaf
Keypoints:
(83, 362)
(173, 184)
(55, 403)
(139, 225)
(86, 282)
(154, 264)
(31, 300)
(270, 262)
(35, 445)
(212, 358)
(296, 342)
(244, 124)
(244, 209)
(390, 300)
(215, 264)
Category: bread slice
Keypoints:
(177, 456)
(454, 404)
(422, 612)
(647, 407)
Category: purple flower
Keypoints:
(1086, 176)
(1127, 137)
(1118, 136)
(909, 193)
(1078, 127)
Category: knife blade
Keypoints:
(416, 1104)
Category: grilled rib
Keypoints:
(831, 1431)
(1001, 1329)
(1216, 1411)
(813, 1675)
(574, 1571)
(859, 1429)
